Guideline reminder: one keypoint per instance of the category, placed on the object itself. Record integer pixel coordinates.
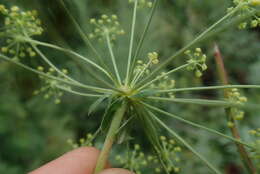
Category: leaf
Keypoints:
(94, 106)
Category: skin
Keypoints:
(79, 161)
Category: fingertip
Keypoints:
(78, 161)
(116, 171)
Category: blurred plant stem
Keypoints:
(115, 125)
(234, 130)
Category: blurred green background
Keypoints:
(34, 130)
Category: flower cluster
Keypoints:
(51, 87)
(87, 141)
(256, 144)
(137, 161)
(235, 97)
(141, 66)
(197, 61)
(18, 25)
(134, 160)
(164, 84)
(253, 23)
(169, 156)
(247, 6)
(142, 3)
(106, 26)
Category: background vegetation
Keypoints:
(34, 130)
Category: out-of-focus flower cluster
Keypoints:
(169, 156)
(164, 84)
(256, 154)
(235, 97)
(51, 87)
(106, 25)
(245, 7)
(142, 3)
(138, 162)
(86, 141)
(17, 26)
(134, 160)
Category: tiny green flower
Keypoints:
(106, 25)
(197, 61)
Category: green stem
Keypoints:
(139, 75)
(231, 23)
(209, 88)
(87, 41)
(52, 65)
(163, 75)
(192, 43)
(93, 88)
(234, 130)
(131, 43)
(84, 37)
(139, 46)
(110, 138)
(113, 58)
(179, 138)
(195, 124)
(70, 52)
(78, 93)
(203, 102)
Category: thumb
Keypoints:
(116, 171)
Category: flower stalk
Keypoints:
(199, 38)
(111, 135)
(235, 133)
(131, 43)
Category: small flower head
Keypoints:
(256, 144)
(255, 2)
(134, 160)
(142, 3)
(197, 61)
(235, 97)
(144, 68)
(86, 141)
(164, 84)
(169, 155)
(153, 57)
(106, 25)
(3, 10)
(247, 6)
(18, 25)
(50, 86)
